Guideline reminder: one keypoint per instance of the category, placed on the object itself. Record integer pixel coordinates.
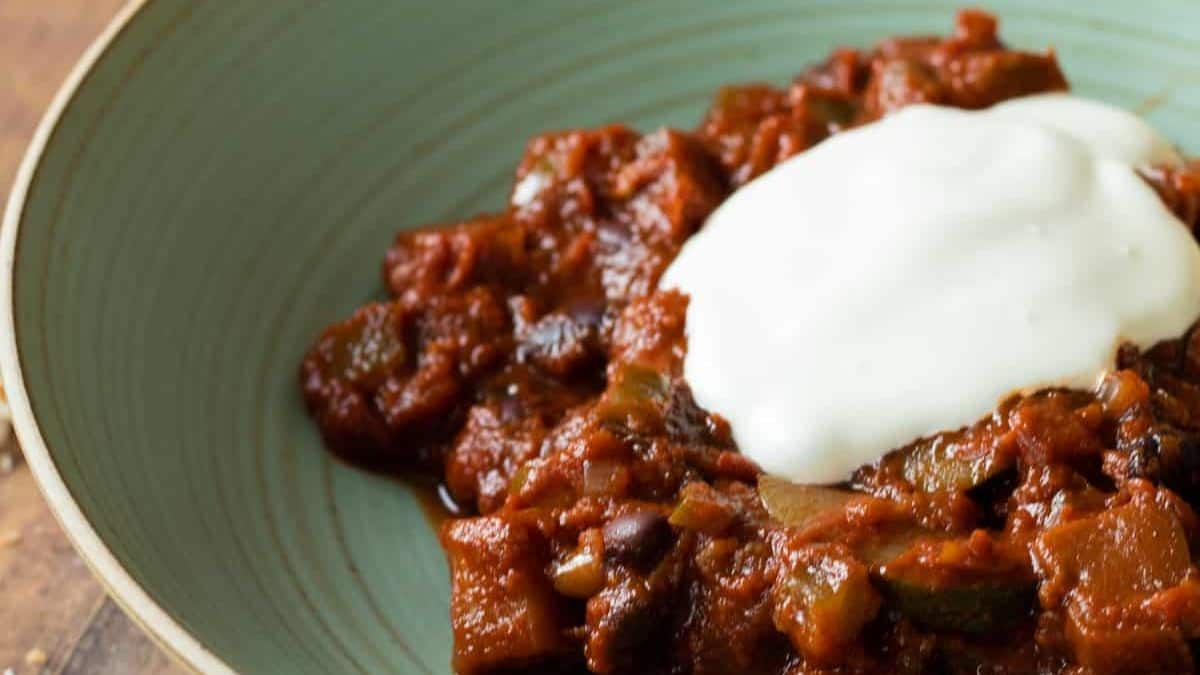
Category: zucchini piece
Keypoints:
(975, 585)
(796, 505)
(889, 543)
(977, 607)
(940, 464)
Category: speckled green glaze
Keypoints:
(223, 182)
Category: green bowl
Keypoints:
(218, 180)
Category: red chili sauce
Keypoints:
(526, 359)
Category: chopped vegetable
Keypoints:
(604, 478)
(1127, 649)
(796, 505)
(833, 113)
(1122, 391)
(582, 574)
(1118, 556)
(540, 483)
(635, 398)
(579, 576)
(505, 612)
(822, 599)
(938, 464)
(977, 585)
(1107, 565)
(889, 543)
(368, 347)
(702, 509)
(519, 478)
(980, 608)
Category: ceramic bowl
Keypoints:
(218, 180)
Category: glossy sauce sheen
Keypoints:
(931, 264)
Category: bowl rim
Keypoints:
(117, 581)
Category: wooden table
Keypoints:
(54, 617)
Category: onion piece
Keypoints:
(581, 574)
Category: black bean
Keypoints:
(627, 624)
(1181, 466)
(1143, 458)
(638, 539)
(1169, 456)
(566, 341)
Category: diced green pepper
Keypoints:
(635, 398)
(702, 509)
(518, 480)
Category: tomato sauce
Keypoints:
(526, 359)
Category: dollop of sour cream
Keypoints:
(901, 278)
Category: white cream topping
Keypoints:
(901, 278)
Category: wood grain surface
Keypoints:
(54, 617)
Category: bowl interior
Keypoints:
(224, 183)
